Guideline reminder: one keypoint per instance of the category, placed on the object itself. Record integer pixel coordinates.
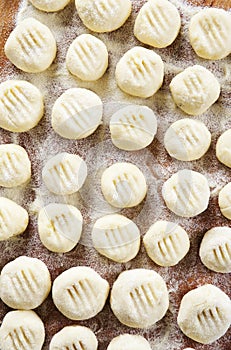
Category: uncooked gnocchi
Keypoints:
(186, 193)
(49, 6)
(87, 58)
(224, 200)
(80, 293)
(24, 283)
(209, 33)
(15, 165)
(215, 249)
(74, 337)
(59, 227)
(13, 219)
(139, 298)
(116, 237)
(21, 105)
(140, 72)
(195, 90)
(22, 329)
(103, 15)
(31, 46)
(166, 243)
(223, 148)
(64, 173)
(123, 185)
(133, 127)
(129, 342)
(205, 314)
(187, 139)
(158, 23)
(77, 113)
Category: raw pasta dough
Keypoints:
(140, 72)
(224, 200)
(223, 148)
(133, 127)
(31, 46)
(87, 58)
(205, 314)
(21, 105)
(24, 283)
(116, 237)
(158, 23)
(49, 5)
(129, 342)
(195, 90)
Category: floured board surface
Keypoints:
(99, 152)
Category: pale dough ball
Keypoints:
(80, 293)
(77, 113)
(139, 298)
(21, 105)
(166, 243)
(215, 249)
(74, 337)
(186, 193)
(223, 148)
(24, 283)
(140, 72)
(205, 314)
(59, 227)
(31, 46)
(15, 165)
(13, 219)
(195, 90)
(123, 185)
(133, 127)
(209, 33)
(64, 173)
(129, 342)
(158, 23)
(116, 237)
(187, 139)
(49, 5)
(103, 15)
(87, 58)
(224, 200)
(22, 330)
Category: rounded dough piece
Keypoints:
(205, 314)
(22, 329)
(31, 46)
(157, 24)
(140, 72)
(15, 165)
(209, 33)
(21, 105)
(144, 298)
(224, 200)
(64, 173)
(74, 337)
(166, 243)
(103, 15)
(24, 283)
(87, 58)
(187, 139)
(133, 127)
(59, 227)
(80, 293)
(116, 237)
(186, 193)
(195, 90)
(129, 342)
(223, 148)
(13, 219)
(50, 6)
(123, 185)
(215, 249)
(77, 113)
